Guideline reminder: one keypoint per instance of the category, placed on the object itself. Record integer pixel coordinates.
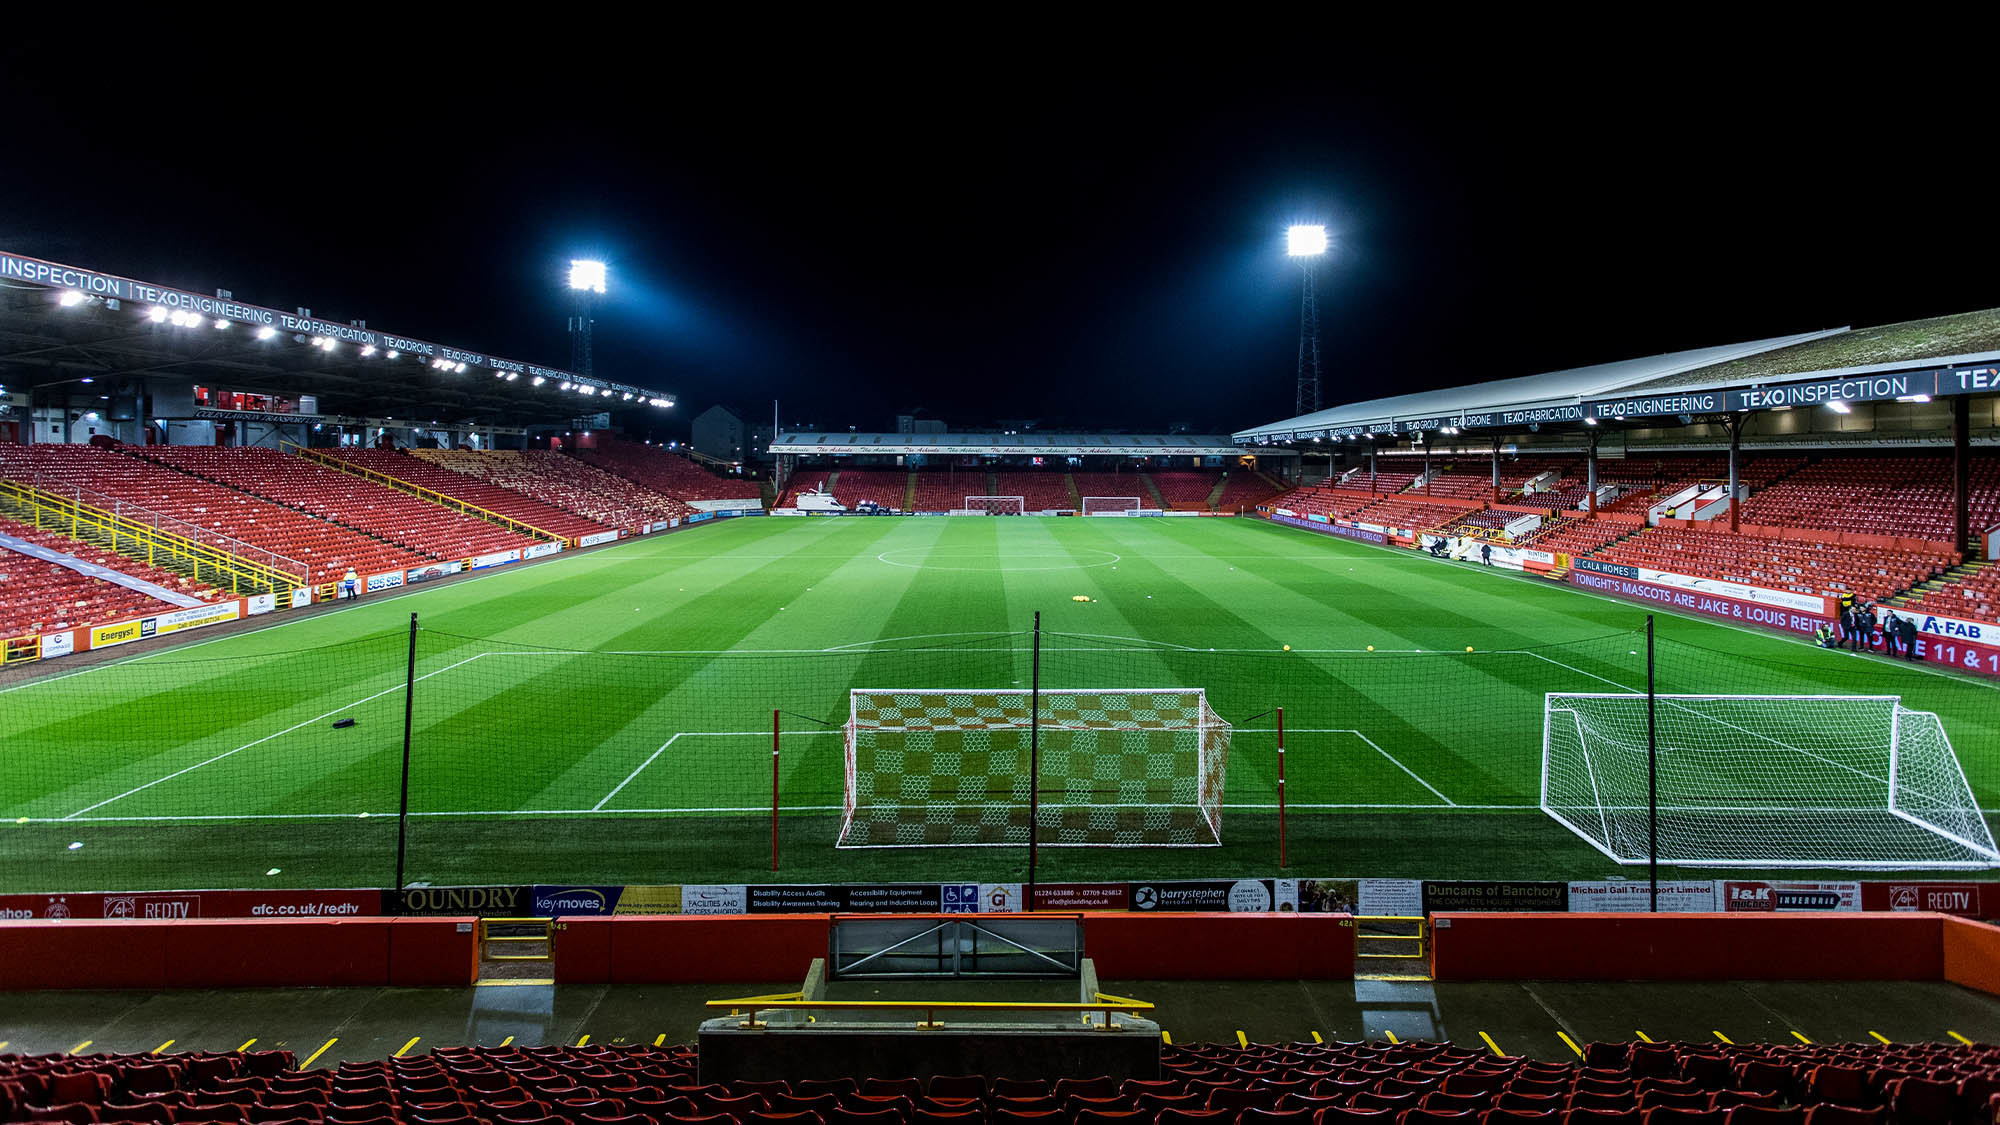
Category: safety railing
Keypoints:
(546, 938)
(399, 484)
(153, 538)
(1382, 953)
(1104, 1003)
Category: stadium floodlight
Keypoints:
(70, 298)
(563, 386)
(1840, 408)
(220, 324)
(1305, 241)
(266, 332)
(460, 369)
(1590, 421)
(156, 314)
(586, 274)
(367, 349)
(393, 354)
(537, 381)
(513, 375)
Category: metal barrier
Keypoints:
(1391, 966)
(1105, 1003)
(547, 937)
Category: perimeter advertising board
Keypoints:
(1738, 896)
(1712, 605)
(158, 905)
(165, 624)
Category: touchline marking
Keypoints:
(497, 572)
(261, 741)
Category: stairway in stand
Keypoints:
(1913, 598)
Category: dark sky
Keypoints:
(1044, 223)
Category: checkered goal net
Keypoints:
(1116, 768)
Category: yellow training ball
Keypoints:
(1288, 648)
(1468, 648)
(1371, 648)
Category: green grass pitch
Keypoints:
(606, 718)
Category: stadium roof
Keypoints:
(1941, 355)
(60, 324)
(1061, 445)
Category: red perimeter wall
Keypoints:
(252, 953)
(1802, 946)
(780, 947)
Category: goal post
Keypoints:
(994, 505)
(1119, 768)
(1110, 505)
(1854, 781)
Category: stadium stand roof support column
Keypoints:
(1590, 475)
(1735, 428)
(1961, 470)
(1496, 470)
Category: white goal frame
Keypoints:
(1129, 504)
(1009, 709)
(975, 506)
(1963, 843)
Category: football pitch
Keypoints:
(608, 717)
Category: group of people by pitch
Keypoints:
(1858, 629)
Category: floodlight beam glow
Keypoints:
(1305, 241)
(586, 274)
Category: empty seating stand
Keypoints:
(1802, 566)
(664, 472)
(37, 596)
(1406, 1083)
(1039, 491)
(474, 490)
(326, 550)
(342, 498)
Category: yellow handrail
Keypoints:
(123, 534)
(1105, 1002)
(418, 490)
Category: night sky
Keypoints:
(861, 222)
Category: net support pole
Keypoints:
(409, 712)
(1034, 758)
(774, 788)
(1652, 781)
(1281, 788)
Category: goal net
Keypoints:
(993, 506)
(1110, 505)
(1763, 781)
(1141, 767)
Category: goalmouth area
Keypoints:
(609, 718)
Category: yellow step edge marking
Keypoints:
(1953, 1034)
(314, 1057)
(516, 983)
(659, 1039)
(1801, 1038)
(1491, 1045)
(585, 1041)
(1316, 1038)
(1391, 1035)
(247, 1043)
(78, 1049)
(1880, 1038)
(1166, 1038)
(405, 1049)
(507, 1042)
(1724, 1038)
(3, 1043)
(1242, 1040)
(157, 1050)
(1570, 1043)
(1643, 1036)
